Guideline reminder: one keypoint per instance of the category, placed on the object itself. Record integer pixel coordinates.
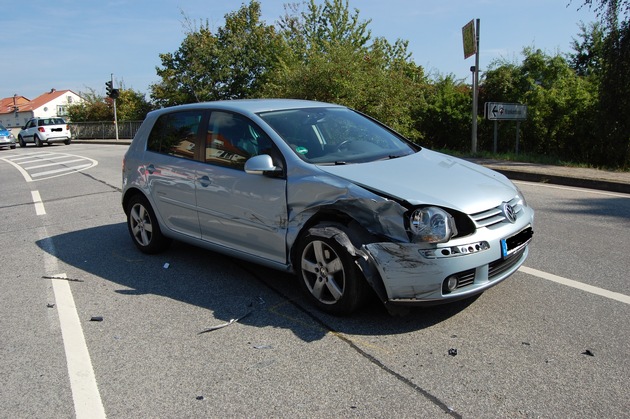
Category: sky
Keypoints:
(79, 44)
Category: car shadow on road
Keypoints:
(227, 287)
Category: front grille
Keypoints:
(494, 215)
(495, 269)
(500, 266)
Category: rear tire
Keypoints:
(143, 226)
(67, 142)
(328, 273)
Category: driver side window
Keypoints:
(232, 139)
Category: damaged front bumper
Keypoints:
(413, 274)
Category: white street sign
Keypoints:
(497, 111)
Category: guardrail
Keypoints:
(102, 130)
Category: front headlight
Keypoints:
(432, 225)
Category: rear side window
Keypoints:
(175, 134)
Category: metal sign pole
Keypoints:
(115, 113)
(475, 89)
(470, 37)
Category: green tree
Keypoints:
(231, 64)
(613, 121)
(92, 108)
(132, 105)
(588, 55)
(445, 121)
(560, 104)
(334, 59)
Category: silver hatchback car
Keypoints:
(325, 192)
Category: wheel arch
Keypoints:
(351, 235)
(130, 193)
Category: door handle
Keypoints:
(204, 181)
(150, 168)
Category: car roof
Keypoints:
(252, 106)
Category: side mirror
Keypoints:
(259, 165)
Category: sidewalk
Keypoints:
(558, 175)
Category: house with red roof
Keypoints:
(15, 111)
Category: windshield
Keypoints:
(2, 128)
(336, 136)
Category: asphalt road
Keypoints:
(91, 327)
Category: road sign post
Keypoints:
(114, 95)
(498, 111)
(470, 37)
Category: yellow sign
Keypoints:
(470, 39)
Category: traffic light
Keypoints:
(115, 93)
(109, 88)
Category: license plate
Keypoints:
(516, 242)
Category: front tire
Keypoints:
(143, 226)
(38, 142)
(328, 274)
(21, 141)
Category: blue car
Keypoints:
(6, 138)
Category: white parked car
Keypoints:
(325, 192)
(40, 131)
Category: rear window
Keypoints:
(175, 134)
(50, 121)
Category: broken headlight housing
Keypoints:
(431, 225)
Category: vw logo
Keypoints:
(508, 211)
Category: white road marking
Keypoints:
(87, 399)
(85, 393)
(46, 159)
(575, 284)
(62, 170)
(39, 166)
(24, 173)
(39, 205)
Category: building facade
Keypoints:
(17, 110)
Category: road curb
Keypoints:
(599, 184)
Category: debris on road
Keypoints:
(221, 326)
(263, 347)
(166, 265)
(96, 319)
(50, 305)
(62, 277)
(452, 352)
(588, 353)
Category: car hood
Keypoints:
(4, 132)
(428, 177)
